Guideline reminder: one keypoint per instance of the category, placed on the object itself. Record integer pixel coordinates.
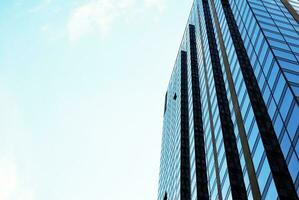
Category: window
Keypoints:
(165, 104)
(175, 96)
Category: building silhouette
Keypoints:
(231, 112)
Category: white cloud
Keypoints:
(45, 28)
(92, 16)
(157, 4)
(12, 129)
(26, 194)
(99, 16)
(41, 6)
(11, 184)
(19, 2)
(96, 16)
(8, 178)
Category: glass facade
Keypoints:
(231, 111)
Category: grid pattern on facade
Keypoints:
(234, 168)
(214, 183)
(244, 150)
(185, 158)
(278, 165)
(267, 36)
(201, 169)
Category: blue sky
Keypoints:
(82, 85)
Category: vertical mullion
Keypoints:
(185, 158)
(215, 153)
(233, 161)
(290, 8)
(278, 165)
(201, 169)
(244, 142)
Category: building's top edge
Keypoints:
(182, 40)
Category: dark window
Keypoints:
(174, 97)
(165, 104)
(165, 196)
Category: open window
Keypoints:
(174, 96)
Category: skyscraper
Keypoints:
(231, 111)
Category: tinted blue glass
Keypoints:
(294, 166)
(285, 144)
(270, 36)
